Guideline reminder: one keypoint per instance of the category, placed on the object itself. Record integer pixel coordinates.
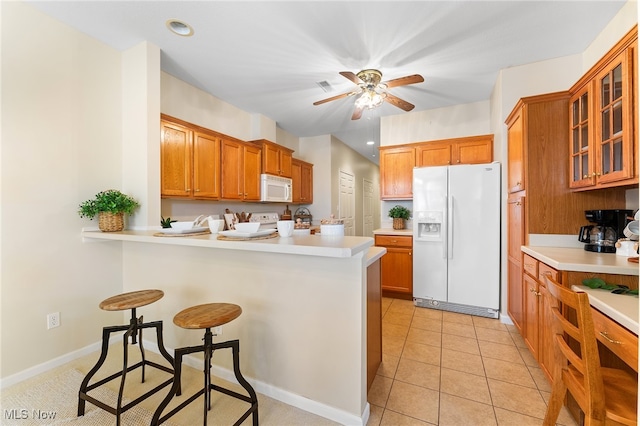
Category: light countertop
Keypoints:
(374, 254)
(580, 260)
(306, 245)
(622, 308)
(391, 231)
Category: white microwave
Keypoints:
(275, 189)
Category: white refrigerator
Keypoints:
(456, 238)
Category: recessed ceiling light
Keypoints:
(370, 142)
(178, 27)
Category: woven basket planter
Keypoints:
(398, 223)
(111, 222)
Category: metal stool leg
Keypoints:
(133, 331)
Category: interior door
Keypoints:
(347, 202)
(367, 208)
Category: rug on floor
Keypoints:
(55, 402)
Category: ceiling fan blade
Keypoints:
(334, 98)
(403, 81)
(396, 101)
(357, 113)
(351, 76)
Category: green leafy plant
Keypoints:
(399, 212)
(166, 223)
(109, 201)
(601, 284)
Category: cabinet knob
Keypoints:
(458, 161)
(197, 190)
(187, 190)
(518, 183)
(518, 203)
(409, 253)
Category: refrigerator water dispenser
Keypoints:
(429, 225)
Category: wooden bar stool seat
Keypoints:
(126, 301)
(206, 317)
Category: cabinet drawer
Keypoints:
(546, 270)
(621, 341)
(530, 265)
(394, 241)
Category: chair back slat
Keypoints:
(586, 359)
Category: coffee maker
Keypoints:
(608, 228)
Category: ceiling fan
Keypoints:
(372, 92)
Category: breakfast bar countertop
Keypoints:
(622, 308)
(309, 245)
(580, 260)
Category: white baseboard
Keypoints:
(51, 364)
(266, 389)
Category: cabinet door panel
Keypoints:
(473, 152)
(531, 295)
(397, 270)
(433, 154)
(396, 167)
(515, 301)
(615, 120)
(251, 178)
(175, 160)
(231, 154)
(206, 166)
(306, 193)
(515, 135)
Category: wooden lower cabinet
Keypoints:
(537, 312)
(396, 265)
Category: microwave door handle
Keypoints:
(287, 192)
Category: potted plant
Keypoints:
(399, 215)
(110, 206)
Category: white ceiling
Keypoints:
(267, 56)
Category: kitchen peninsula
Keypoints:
(303, 329)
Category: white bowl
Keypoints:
(182, 225)
(302, 231)
(332, 230)
(216, 225)
(247, 226)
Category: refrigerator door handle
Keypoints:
(450, 227)
(444, 230)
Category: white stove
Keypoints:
(267, 220)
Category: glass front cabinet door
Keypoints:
(602, 136)
(582, 153)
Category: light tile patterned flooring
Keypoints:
(444, 368)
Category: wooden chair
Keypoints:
(605, 395)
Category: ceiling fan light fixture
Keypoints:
(180, 28)
(370, 99)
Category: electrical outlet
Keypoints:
(53, 320)
(217, 330)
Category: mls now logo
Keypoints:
(23, 414)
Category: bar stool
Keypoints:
(133, 330)
(208, 316)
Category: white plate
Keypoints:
(183, 231)
(238, 234)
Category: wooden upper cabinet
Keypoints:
(433, 154)
(241, 170)
(251, 172)
(175, 160)
(190, 161)
(302, 182)
(396, 172)
(470, 150)
(206, 166)
(475, 150)
(603, 121)
(515, 150)
(276, 159)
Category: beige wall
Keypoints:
(62, 138)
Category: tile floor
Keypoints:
(443, 368)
